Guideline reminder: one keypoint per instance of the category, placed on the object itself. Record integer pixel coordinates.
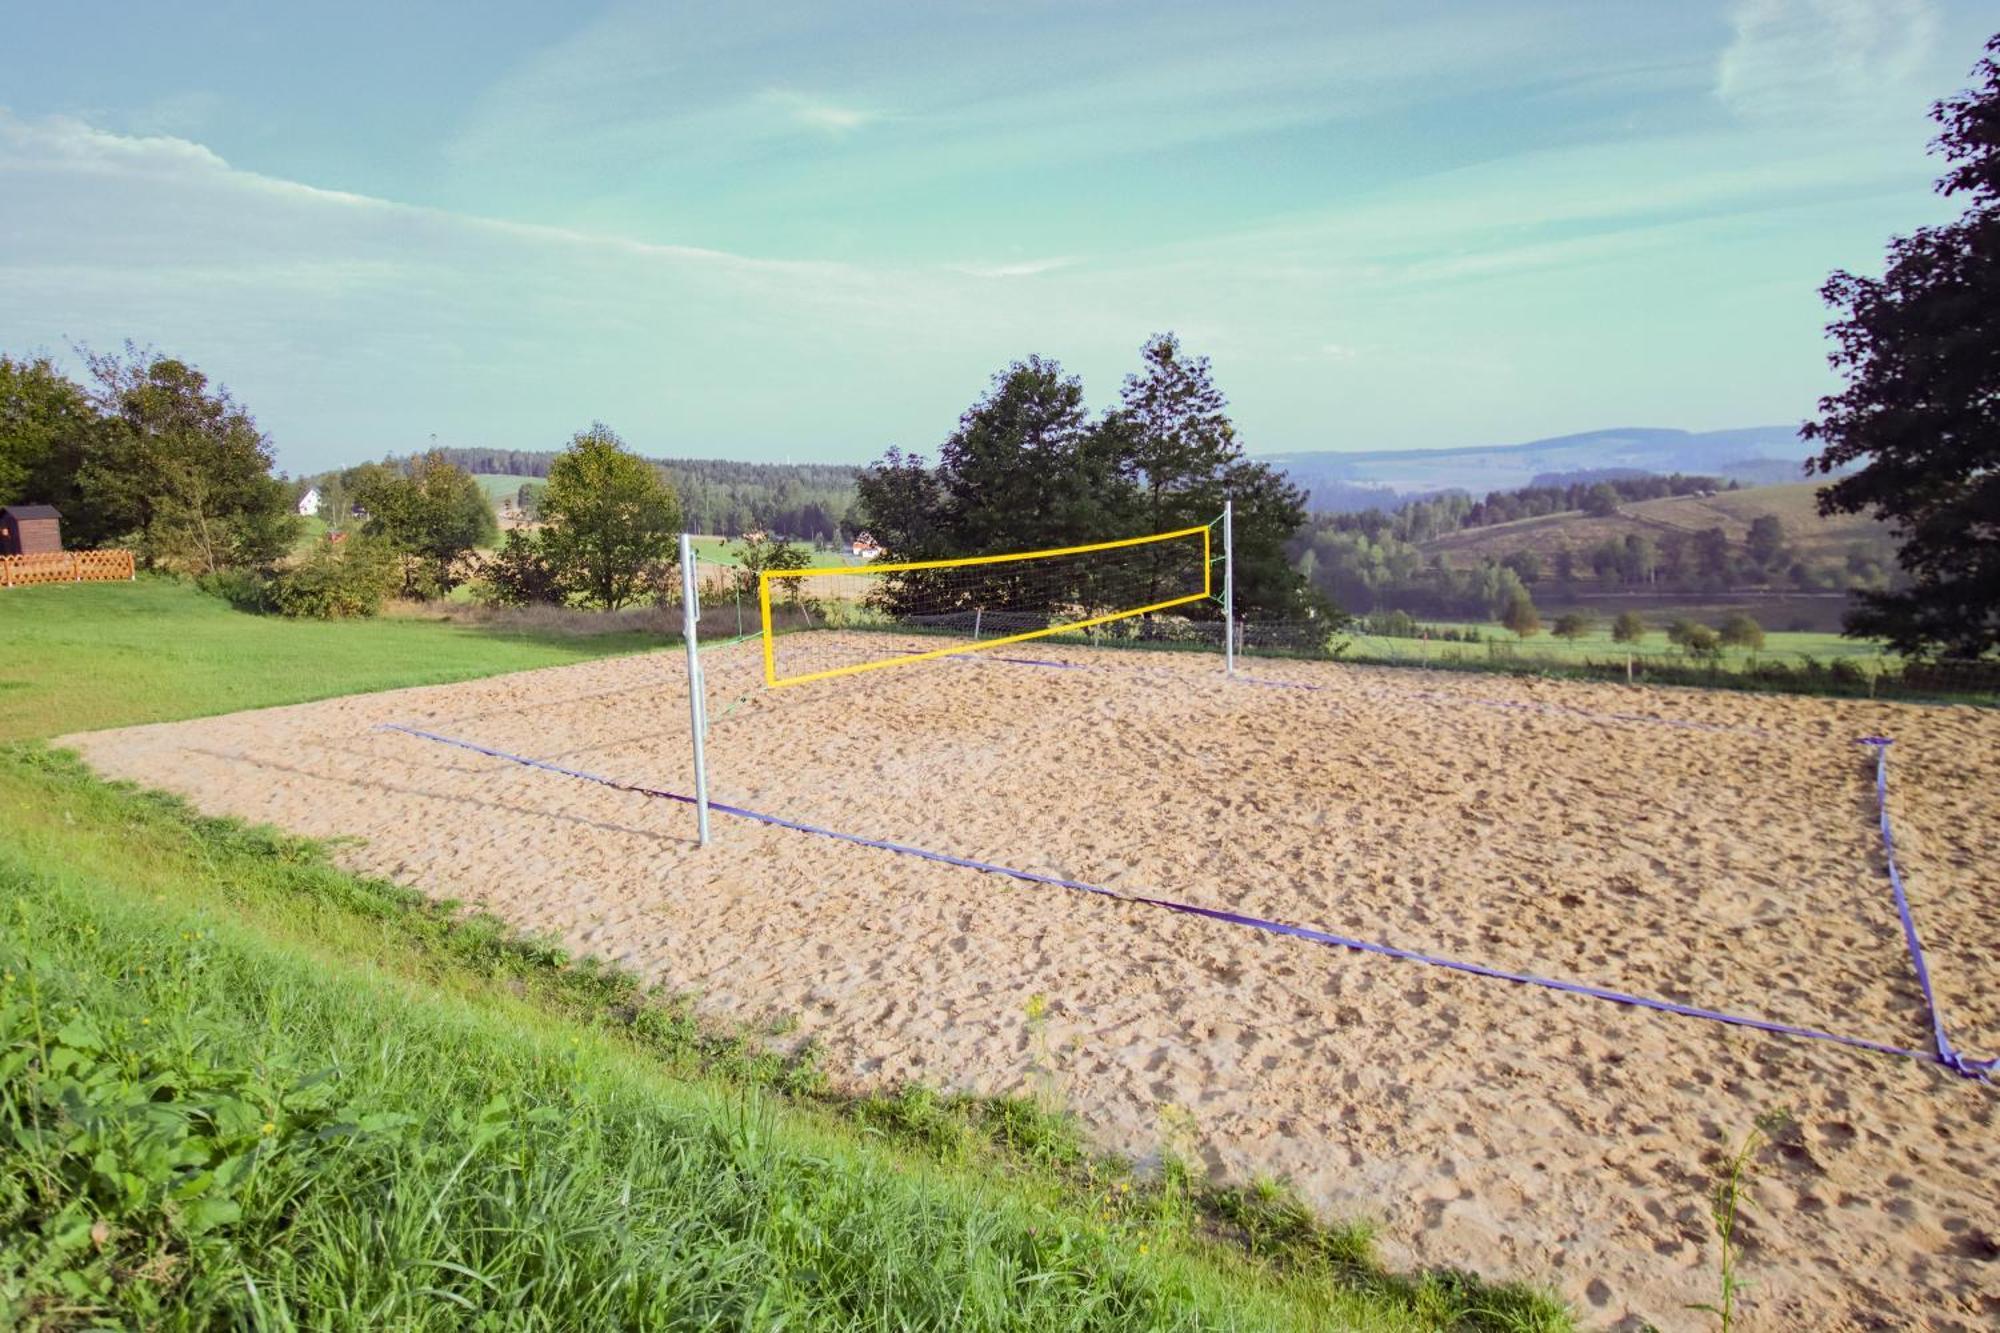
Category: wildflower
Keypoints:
(145, 1022)
(269, 1128)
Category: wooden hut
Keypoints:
(30, 530)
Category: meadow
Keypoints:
(239, 1086)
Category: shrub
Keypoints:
(1628, 628)
(1572, 625)
(519, 574)
(241, 588)
(1846, 671)
(1520, 616)
(1740, 631)
(337, 582)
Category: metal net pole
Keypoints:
(1228, 588)
(697, 693)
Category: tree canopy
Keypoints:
(1920, 350)
(611, 517)
(1028, 468)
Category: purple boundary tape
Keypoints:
(1946, 1055)
(1190, 909)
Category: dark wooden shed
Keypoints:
(30, 530)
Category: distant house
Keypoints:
(309, 502)
(30, 530)
(865, 546)
(755, 535)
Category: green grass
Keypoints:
(501, 484)
(83, 656)
(240, 1087)
(1598, 645)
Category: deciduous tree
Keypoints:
(1920, 350)
(611, 517)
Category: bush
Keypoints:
(1521, 617)
(1628, 628)
(1846, 671)
(1572, 625)
(1698, 640)
(338, 582)
(520, 575)
(1740, 631)
(241, 588)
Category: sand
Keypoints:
(1707, 847)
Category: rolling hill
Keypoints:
(1812, 537)
(1350, 481)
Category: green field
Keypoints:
(90, 655)
(502, 484)
(1598, 646)
(241, 1088)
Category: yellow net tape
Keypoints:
(1060, 590)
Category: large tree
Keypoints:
(47, 429)
(1920, 349)
(611, 518)
(181, 468)
(1181, 449)
(433, 515)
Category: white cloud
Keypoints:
(1019, 268)
(823, 116)
(1829, 58)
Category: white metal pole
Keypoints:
(1229, 587)
(697, 692)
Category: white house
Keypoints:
(309, 502)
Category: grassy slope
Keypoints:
(79, 657)
(237, 1085)
(1732, 511)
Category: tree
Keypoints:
(1178, 445)
(1526, 562)
(610, 517)
(1520, 617)
(1601, 500)
(519, 574)
(1572, 625)
(1765, 542)
(47, 429)
(1741, 631)
(1920, 351)
(432, 517)
(1628, 628)
(1696, 639)
(767, 556)
(182, 469)
(1565, 565)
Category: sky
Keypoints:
(810, 231)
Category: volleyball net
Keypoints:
(1130, 588)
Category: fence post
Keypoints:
(977, 612)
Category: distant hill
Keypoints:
(1821, 540)
(1344, 482)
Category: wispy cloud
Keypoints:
(814, 113)
(1834, 58)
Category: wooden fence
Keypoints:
(18, 571)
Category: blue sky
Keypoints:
(810, 231)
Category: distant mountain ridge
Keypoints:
(1347, 481)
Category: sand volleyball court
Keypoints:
(1711, 849)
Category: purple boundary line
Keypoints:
(1307, 933)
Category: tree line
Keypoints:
(1029, 468)
(148, 455)
(807, 501)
